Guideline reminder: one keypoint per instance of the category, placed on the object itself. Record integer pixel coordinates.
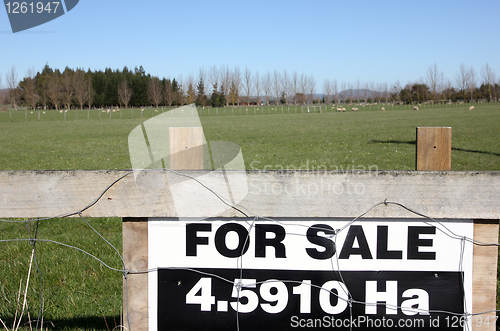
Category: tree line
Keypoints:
(224, 86)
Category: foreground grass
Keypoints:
(80, 293)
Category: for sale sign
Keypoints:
(311, 273)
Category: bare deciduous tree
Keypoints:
(471, 82)
(13, 86)
(327, 89)
(257, 87)
(286, 86)
(335, 91)
(488, 75)
(350, 88)
(433, 76)
(30, 93)
(380, 92)
(461, 78)
(276, 84)
(294, 86)
(213, 78)
(81, 90)
(365, 91)
(54, 89)
(358, 90)
(124, 93)
(303, 84)
(342, 92)
(236, 83)
(225, 81)
(168, 93)
(67, 88)
(266, 85)
(311, 83)
(386, 92)
(247, 82)
(372, 90)
(154, 91)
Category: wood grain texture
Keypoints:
(484, 275)
(472, 195)
(433, 148)
(186, 148)
(135, 287)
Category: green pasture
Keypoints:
(80, 293)
(23, 114)
(383, 140)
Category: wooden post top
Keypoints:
(433, 148)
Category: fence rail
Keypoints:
(333, 193)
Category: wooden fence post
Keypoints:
(433, 148)
(186, 152)
(135, 287)
(434, 153)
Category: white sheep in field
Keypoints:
(343, 109)
(339, 109)
(415, 108)
(471, 108)
(354, 109)
(383, 109)
(60, 111)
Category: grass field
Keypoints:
(332, 140)
(80, 293)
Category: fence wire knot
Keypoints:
(238, 285)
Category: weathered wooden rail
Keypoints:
(461, 194)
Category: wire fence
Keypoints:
(32, 226)
(115, 113)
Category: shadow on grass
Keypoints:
(414, 142)
(104, 323)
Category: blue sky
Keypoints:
(370, 41)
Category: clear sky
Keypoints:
(371, 41)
